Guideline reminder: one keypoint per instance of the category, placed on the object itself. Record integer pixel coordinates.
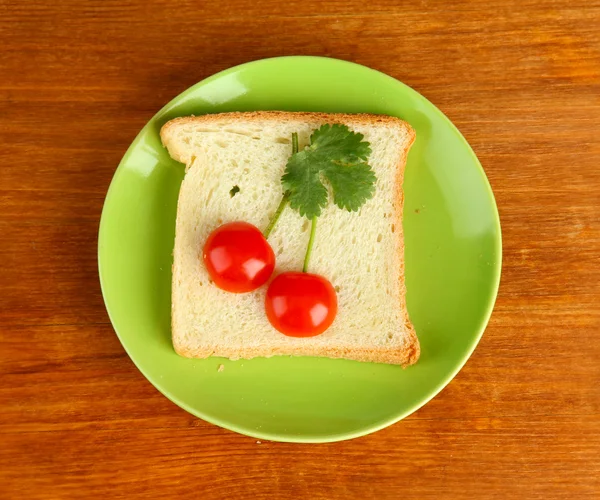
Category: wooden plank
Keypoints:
(468, 458)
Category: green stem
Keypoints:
(277, 214)
(311, 240)
(286, 195)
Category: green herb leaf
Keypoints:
(307, 193)
(339, 143)
(339, 155)
(352, 185)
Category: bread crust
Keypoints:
(405, 356)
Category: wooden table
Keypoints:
(521, 80)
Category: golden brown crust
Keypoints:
(413, 348)
(376, 355)
(405, 356)
(246, 116)
(240, 116)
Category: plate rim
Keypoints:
(367, 429)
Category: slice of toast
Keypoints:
(234, 163)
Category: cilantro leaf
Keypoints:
(337, 154)
(301, 180)
(352, 185)
(340, 143)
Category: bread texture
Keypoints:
(361, 253)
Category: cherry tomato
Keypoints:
(301, 304)
(238, 257)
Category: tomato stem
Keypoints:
(286, 195)
(311, 240)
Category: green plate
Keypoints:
(453, 261)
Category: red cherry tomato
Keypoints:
(301, 304)
(238, 257)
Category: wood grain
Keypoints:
(521, 79)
